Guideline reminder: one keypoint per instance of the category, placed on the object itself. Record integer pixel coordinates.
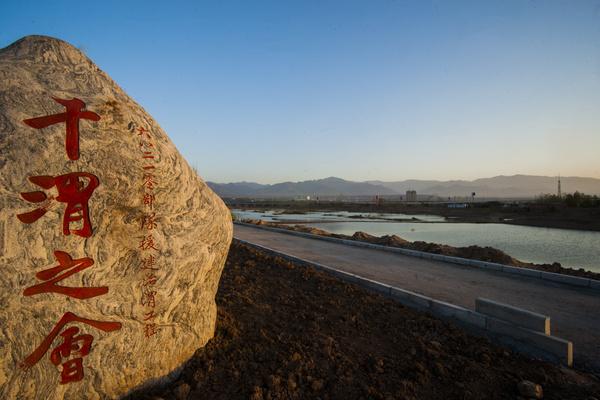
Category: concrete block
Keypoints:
(377, 247)
(473, 263)
(418, 254)
(459, 260)
(522, 271)
(447, 310)
(400, 251)
(351, 278)
(557, 348)
(514, 315)
(595, 284)
(374, 286)
(325, 238)
(490, 265)
(463, 261)
(410, 299)
(411, 253)
(568, 279)
(345, 276)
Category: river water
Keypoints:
(571, 248)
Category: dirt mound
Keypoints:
(489, 254)
(364, 237)
(386, 240)
(308, 229)
(256, 222)
(291, 332)
(392, 240)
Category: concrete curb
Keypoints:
(516, 316)
(507, 269)
(527, 341)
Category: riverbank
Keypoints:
(546, 216)
(489, 254)
(291, 332)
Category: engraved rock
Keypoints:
(111, 246)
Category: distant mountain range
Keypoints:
(515, 186)
(321, 187)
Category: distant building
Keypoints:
(411, 195)
(458, 205)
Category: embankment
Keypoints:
(489, 254)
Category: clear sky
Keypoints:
(269, 91)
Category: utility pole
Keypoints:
(559, 189)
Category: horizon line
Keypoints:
(403, 180)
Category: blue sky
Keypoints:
(270, 91)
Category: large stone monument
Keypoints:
(111, 246)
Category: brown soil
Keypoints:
(487, 253)
(290, 332)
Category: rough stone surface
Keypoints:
(192, 235)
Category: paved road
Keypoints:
(574, 312)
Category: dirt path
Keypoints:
(574, 312)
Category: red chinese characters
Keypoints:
(149, 263)
(77, 346)
(65, 268)
(74, 189)
(149, 222)
(72, 346)
(75, 111)
(148, 200)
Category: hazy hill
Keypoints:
(236, 189)
(321, 187)
(499, 186)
